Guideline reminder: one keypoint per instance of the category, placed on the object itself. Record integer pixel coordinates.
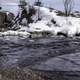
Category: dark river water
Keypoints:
(19, 52)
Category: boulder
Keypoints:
(5, 20)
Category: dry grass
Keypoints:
(28, 74)
(19, 74)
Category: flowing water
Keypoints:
(42, 54)
(18, 52)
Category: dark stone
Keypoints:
(6, 20)
(77, 34)
(53, 21)
(63, 34)
(0, 7)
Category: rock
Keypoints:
(62, 34)
(5, 20)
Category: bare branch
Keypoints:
(68, 6)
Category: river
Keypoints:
(48, 54)
(15, 51)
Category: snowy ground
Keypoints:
(66, 25)
(15, 33)
(69, 25)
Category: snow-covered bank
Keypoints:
(50, 22)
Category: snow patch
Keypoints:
(15, 33)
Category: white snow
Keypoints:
(15, 33)
(68, 25)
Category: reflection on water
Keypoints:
(20, 52)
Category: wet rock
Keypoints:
(62, 34)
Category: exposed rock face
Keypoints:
(2, 20)
(10, 16)
(5, 20)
